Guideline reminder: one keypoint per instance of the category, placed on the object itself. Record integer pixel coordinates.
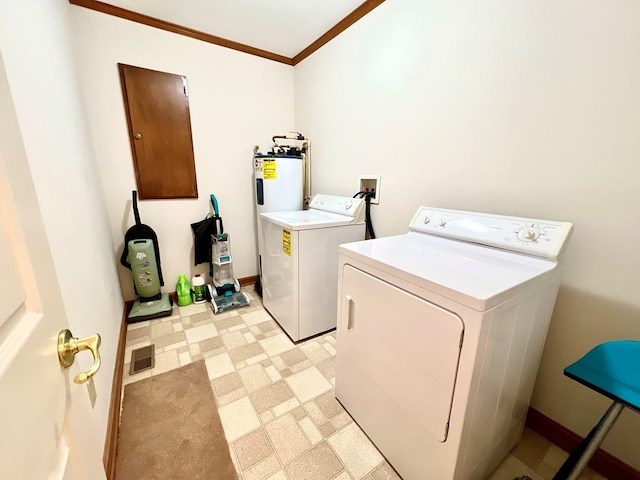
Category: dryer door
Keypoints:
(396, 363)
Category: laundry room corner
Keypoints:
(236, 101)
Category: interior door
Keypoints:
(43, 413)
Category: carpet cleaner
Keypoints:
(225, 289)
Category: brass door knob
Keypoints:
(68, 346)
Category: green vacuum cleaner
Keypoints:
(141, 255)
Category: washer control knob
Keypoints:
(348, 204)
(426, 220)
(442, 222)
(528, 234)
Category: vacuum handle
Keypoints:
(214, 204)
(134, 201)
(216, 215)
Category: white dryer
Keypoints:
(300, 262)
(440, 335)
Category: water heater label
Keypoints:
(286, 241)
(269, 168)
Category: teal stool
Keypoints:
(612, 369)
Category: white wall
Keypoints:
(519, 108)
(34, 41)
(236, 101)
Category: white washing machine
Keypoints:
(300, 262)
(440, 334)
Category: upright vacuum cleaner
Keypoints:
(225, 289)
(141, 255)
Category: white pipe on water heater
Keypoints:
(307, 162)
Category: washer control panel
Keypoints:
(542, 238)
(336, 204)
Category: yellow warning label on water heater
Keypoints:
(286, 241)
(269, 168)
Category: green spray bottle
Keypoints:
(183, 291)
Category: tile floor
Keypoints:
(276, 402)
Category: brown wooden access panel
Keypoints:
(157, 107)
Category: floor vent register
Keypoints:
(142, 359)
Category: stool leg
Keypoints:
(579, 458)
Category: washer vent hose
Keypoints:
(367, 212)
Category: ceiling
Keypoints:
(283, 27)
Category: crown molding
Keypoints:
(337, 29)
(179, 29)
(132, 16)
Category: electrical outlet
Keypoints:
(371, 183)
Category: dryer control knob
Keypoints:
(348, 204)
(528, 234)
(426, 220)
(442, 222)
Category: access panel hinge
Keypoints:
(184, 86)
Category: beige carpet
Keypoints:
(170, 429)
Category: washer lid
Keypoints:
(307, 219)
(474, 275)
